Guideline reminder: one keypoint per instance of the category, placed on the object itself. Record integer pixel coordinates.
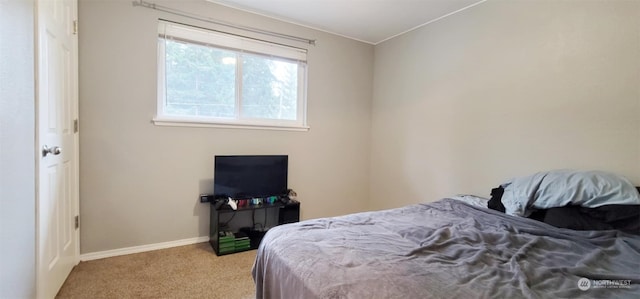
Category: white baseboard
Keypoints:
(137, 249)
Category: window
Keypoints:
(211, 78)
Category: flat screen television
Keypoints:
(250, 176)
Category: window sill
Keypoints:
(208, 124)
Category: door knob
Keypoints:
(56, 150)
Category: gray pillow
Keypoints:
(558, 188)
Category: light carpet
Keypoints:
(192, 271)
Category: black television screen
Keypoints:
(250, 176)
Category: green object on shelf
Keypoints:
(226, 240)
(227, 244)
(227, 250)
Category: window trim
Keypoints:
(162, 119)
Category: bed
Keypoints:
(450, 248)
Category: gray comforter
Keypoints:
(445, 249)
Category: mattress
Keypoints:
(444, 249)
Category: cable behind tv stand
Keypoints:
(232, 231)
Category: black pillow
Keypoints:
(621, 217)
(495, 203)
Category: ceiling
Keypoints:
(370, 21)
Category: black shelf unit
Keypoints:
(251, 222)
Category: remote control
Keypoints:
(232, 203)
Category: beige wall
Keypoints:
(139, 183)
(504, 89)
(17, 150)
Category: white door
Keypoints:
(57, 141)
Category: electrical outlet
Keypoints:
(205, 198)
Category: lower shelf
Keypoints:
(250, 223)
(225, 252)
(243, 240)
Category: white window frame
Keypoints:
(240, 45)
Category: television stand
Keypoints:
(232, 231)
